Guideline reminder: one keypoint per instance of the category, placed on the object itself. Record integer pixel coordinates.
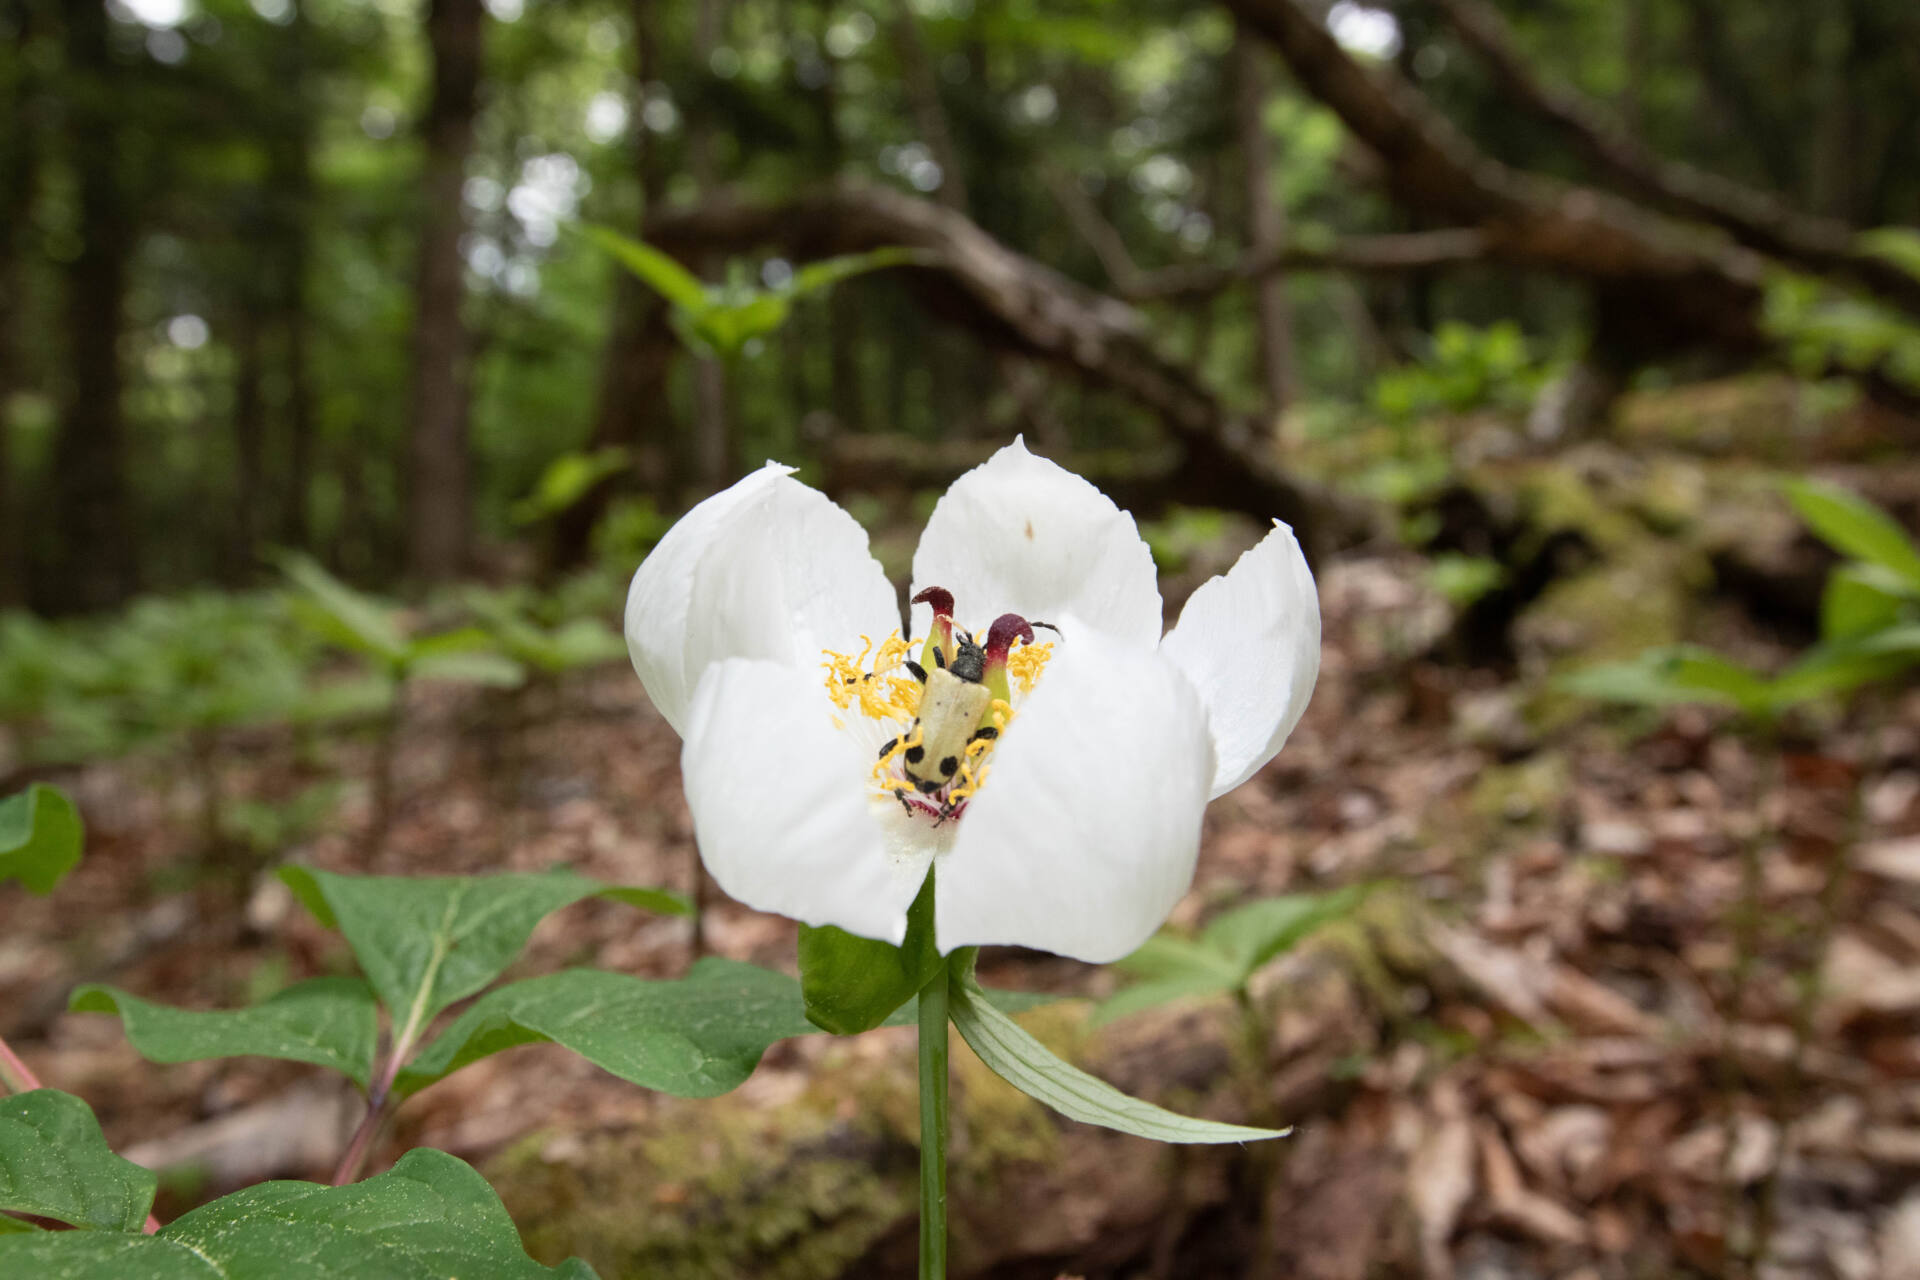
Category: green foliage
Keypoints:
(853, 984)
(1463, 579)
(567, 479)
(55, 1163)
(693, 1037)
(630, 528)
(163, 667)
(268, 826)
(723, 319)
(552, 651)
(1029, 1066)
(424, 942)
(40, 837)
(1823, 327)
(1857, 529)
(328, 1022)
(1227, 953)
(1175, 537)
(346, 619)
(1869, 626)
(431, 1215)
(1464, 370)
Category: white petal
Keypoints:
(1250, 642)
(1084, 835)
(766, 569)
(1020, 534)
(780, 804)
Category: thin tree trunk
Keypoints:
(249, 444)
(1266, 220)
(293, 180)
(640, 345)
(923, 96)
(712, 452)
(94, 566)
(19, 157)
(1832, 138)
(845, 392)
(440, 531)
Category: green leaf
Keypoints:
(1859, 599)
(342, 616)
(827, 272)
(1172, 968)
(851, 984)
(1155, 992)
(329, 1022)
(427, 941)
(694, 1037)
(1030, 1067)
(1251, 935)
(495, 670)
(659, 272)
(432, 1216)
(1674, 676)
(1856, 528)
(40, 837)
(55, 1163)
(1842, 667)
(1229, 952)
(567, 479)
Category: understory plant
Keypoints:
(1869, 636)
(908, 796)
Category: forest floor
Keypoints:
(1634, 998)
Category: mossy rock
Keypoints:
(1768, 416)
(1530, 791)
(805, 1188)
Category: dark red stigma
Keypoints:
(1001, 634)
(940, 598)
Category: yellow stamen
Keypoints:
(880, 694)
(883, 691)
(1026, 662)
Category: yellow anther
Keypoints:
(1026, 662)
(880, 695)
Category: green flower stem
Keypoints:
(933, 1127)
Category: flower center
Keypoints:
(943, 713)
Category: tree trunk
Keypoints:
(712, 452)
(1265, 221)
(18, 180)
(923, 97)
(93, 565)
(293, 180)
(439, 506)
(640, 345)
(249, 444)
(844, 390)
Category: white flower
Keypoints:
(768, 636)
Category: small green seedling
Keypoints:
(721, 319)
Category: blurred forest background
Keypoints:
(1521, 313)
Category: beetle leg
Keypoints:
(919, 672)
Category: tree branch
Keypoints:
(1011, 301)
(1411, 251)
(1752, 217)
(1695, 289)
